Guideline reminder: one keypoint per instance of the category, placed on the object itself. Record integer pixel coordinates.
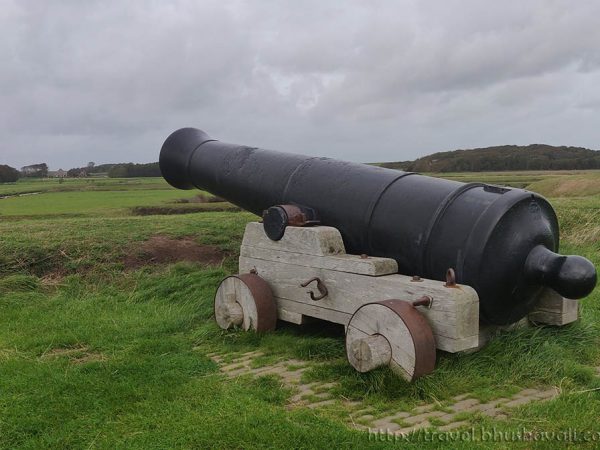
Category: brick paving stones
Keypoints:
(316, 395)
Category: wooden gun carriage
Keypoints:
(390, 319)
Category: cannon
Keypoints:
(405, 232)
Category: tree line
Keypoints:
(9, 174)
(504, 158)
(131, 170)
(121, 170)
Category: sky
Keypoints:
(367, 81)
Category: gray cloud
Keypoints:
(365, 81)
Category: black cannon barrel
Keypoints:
(500, 241)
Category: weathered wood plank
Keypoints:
(456, 345)
(454, 315)
(312, 310)
(553, 309)
(318, 241)
(289, 316)
(342, 263)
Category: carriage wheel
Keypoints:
(245, 300)
(394, 333)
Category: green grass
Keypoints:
(96, 356)
(85, 197)
(93, 202)
(81, 184)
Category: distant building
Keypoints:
(57, 173)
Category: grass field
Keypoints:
(97, 354)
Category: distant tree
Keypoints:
(71, 173)
(130, 170)
(8, 174)
(101, 168)
(90, 168)
(119, 171)
(35, 170)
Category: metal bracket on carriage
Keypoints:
(450, 278)
(277, 218)
(425, 301)
(320, 286)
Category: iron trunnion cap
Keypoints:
(500, 241)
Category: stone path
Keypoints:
(454, 415)
(311, 395)
(444, 416)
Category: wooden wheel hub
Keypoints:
(394, 333)
(245, 300)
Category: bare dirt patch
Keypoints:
(79, 354)
(201, 198)
(165, 250)
(182, 209)
(53, 278)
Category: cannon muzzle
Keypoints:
(503, 242)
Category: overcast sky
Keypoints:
(359, 80)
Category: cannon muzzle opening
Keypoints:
(176, 153)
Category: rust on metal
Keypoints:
(277, 218)
(320, 286)
(266, 309)
(421, 334)
(450, 278)
(297, 217)
(426, 301)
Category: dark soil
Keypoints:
(201, 198)
(167, 210)
(165, 250)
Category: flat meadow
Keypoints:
(104, 340)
